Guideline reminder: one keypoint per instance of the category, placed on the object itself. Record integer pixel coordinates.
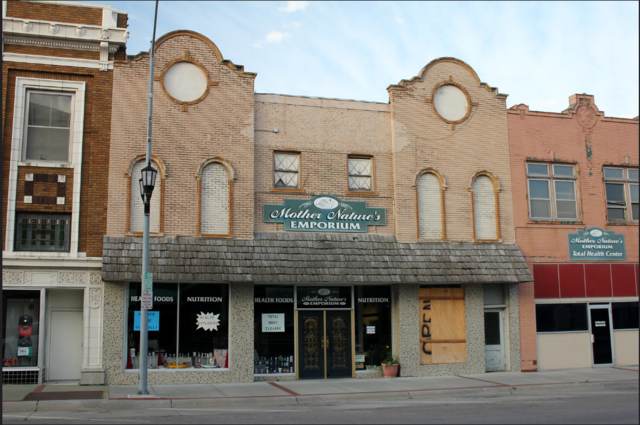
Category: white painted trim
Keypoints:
(87, 46)
(44, 260)
(56, 61)
(77, 88)
(64, 30)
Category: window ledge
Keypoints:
(556, 222)
(45, 165)
(361, 193)
(424, 240)
(200, 235)
(487, 241)
(621, 223)
(151, 234)
(286, 190)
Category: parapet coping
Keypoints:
(321, 102)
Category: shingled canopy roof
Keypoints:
(312, 258)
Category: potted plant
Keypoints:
(390, 366)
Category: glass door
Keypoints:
(600, 320)
(494, 340)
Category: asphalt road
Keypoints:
(582, 406)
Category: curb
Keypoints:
(287, 400)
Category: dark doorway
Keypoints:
(601, 336)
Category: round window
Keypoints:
(185, 81)
(451, 103)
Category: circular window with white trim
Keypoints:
(451, 102)
(185, 81)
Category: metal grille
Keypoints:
(360, 173)
(20, 377)
(286, 170)
(43, 232)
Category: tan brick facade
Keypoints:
(589, 145)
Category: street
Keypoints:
(526, 405)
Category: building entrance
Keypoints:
(601, 335)
(325, 339)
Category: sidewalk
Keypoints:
(66, 397)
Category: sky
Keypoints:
(539, 53)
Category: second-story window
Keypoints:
(360, 173)
(48, 128)
(621, 185)
(552, 192)
(286, 170)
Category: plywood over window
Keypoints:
(442, 326)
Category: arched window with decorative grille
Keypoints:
(486, 217)
(430, 205)
(136, 206)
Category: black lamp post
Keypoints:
(147, 183)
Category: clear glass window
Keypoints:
(613, 173)
(360, 173)
(286, 170)
(553, 198)
(622, 195)
(633, 195)
(48, 129)
(20, 328)
(274, 336)
(541, 169)
(633, 173)
(42, 232)
(372, 325)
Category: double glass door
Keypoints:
(325, 344)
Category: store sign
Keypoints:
(371, 330)
(596, 244)
(325, 213)
(207, 321)
(153, 321)
(323, 297)
(273, 322)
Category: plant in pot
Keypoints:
(390, 366)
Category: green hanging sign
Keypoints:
(596, 244)
(324, 213)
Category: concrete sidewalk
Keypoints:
(67, 397)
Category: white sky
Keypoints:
(537, 52)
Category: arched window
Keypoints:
(136, 207)
(216, 179)
(486, 223)
(430, 196)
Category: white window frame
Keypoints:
(26, 126)
(77, 90)
(551, 178)
(370, 176)
(627, 182)
(275, 170)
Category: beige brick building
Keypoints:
(299, 237)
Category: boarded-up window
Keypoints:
(214, 200)
(137, 207)
(442, 326)
(429, 207)
(484, 208)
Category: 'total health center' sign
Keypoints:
(325, 213)
(596, 244)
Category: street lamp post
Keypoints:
(147, 183)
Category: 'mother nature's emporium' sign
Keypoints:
(325, 213)
(596, 244)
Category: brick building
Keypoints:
(57, 80)
(296, 237)
(575, 182)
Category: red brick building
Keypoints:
(57, 79)
(575, 185)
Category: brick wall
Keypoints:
(422, 140)
(54, 13)
(561, 138)
(221, 125)
(49, 51)
(95, 160)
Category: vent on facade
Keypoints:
(20, 377)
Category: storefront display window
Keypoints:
(274, 329)
(372, 325)
(20, 327)
(190, 334)
(561, 317)
(625, 315)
